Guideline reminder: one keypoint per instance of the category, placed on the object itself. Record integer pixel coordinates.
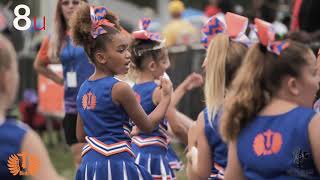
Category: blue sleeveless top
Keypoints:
(219, 150)
(277, 146)
(103, 120)
(74, 59)
(11, 137)
(144, 92)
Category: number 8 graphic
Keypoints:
(22, 17)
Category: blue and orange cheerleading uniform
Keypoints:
(108, 153)
(277, 147)
(219, 150)
(151, 149)
(12, 134)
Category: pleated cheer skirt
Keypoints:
(154, 160)
(174, 161)
(109, 162)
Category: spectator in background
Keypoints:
(305, 24)
(212, 9)
(305, 15)
(76, 68)
(179, 31)
(218, 8)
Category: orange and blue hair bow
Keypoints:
(235, 28)
(266, 35)
(144, 34)
(98, 20)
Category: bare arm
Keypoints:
(42, 60)
(42, 68)
(192, 153)
(204, 153)
(179, 122)
(80, 131)
(314, 135)
(176, 126)
(233, 170)
(194, 80)
(32, 144)
(124, 95)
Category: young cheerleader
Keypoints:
(15, 137)
(272, 131)
(150, 58)
(105, 104)
(224, 56)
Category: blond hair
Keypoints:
(223, 59)
(59, 32)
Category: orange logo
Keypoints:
(23, 164)
(89, 101)
(267, 143)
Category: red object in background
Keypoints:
(30, 115)
(211, 11)
(51, 94)
(295, 26)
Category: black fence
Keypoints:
(184, 60)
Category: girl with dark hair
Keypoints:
(106, 104)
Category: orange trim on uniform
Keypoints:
(141, 142)
(106, 149)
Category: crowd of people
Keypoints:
(260, 118)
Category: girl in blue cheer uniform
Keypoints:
(105, 104)
(150, 59)
(268, 120)
(16, 139)
(224, 56)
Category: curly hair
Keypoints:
(257, 81)
(80, 24)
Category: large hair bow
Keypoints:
(235, 28)
(143, 33)
(97, 15)
(266, 35)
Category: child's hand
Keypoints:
(166, 88)
(192, 157)
(135, 131)
(194, 80)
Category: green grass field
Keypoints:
(61, 158)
